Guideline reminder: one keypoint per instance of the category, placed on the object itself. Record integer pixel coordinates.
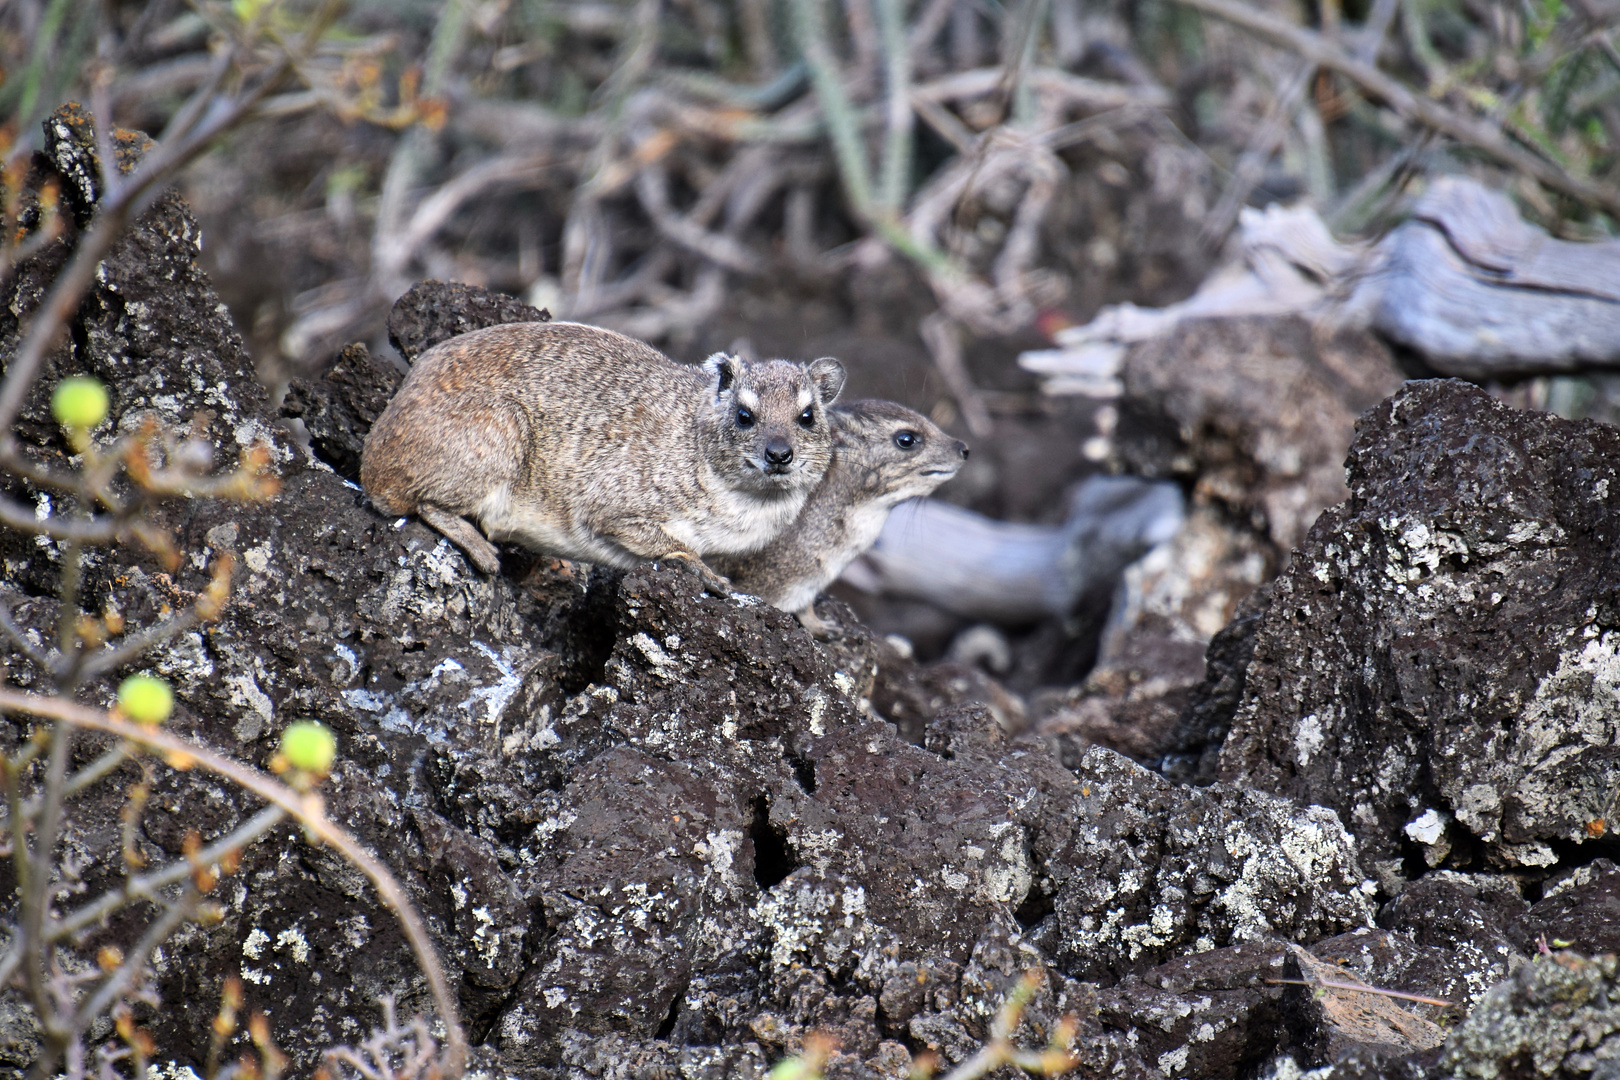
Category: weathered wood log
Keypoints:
(1009, 573)
(1481, 294)
(1465, 282)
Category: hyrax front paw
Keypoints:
(711, 580)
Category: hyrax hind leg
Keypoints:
(462, 533)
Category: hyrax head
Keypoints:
(894, 453)
(769, 427)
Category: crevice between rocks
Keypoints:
(773, 857)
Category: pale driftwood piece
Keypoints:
(1426, 296)
(1002, 572)
(1485, 229)
(1466, 282)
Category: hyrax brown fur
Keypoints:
(586, 444)
(883, 454)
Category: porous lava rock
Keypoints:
(1150, 869)
(1557, 1016)
(1441, 663)
(651, 830)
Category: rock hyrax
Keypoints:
(883, 454)
(586, 444)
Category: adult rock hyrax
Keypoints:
(883, 454)
(586, 444)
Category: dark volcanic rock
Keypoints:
(1466, 917)
(1153, 870)
(435, 311)
(339, 407)
(1582, 912)
(1441, 665)
(652, 831)
(1558, 1016)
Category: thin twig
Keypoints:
(1252, 164)
(943, 338)
(113, 213)
(306, 809)
(146, 886)
(1361, 988)
(134, 645)
(115, 985)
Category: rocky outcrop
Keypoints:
(1441, 665)
(655, 831)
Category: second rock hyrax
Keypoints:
(586, 444)
(883, 454)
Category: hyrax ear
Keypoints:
(722, 369)
(828, 376)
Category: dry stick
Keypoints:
(307, 810)
(1014, 87)
(943, 337)
(585, 243)
(437, 208)
(1362, 989)
(146, 885)
(120, 980)
(1262, 145)
(1465, 129)
(927, 26)
(652, 190)
(76, 783)
(756, 33)
(389, 253)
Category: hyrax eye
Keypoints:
(745, 418)
(807, 419)
(906, 440)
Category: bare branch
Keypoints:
(306, 809)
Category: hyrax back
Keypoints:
(586, 444)
(883, 454)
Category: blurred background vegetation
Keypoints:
(930, 185)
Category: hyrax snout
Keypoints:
(586, 444)
(883, 454)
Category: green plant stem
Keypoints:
(835, 104)
(895, 177)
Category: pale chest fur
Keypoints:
(733, 522)
(862, 524)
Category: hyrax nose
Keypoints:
(962, 446)
(778, 451)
